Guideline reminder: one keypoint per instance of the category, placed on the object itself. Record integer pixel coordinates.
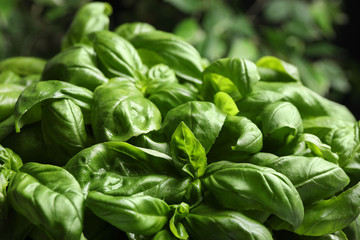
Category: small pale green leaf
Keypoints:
(204, 119)
(187, 152)
(273, 69)
(223, 101)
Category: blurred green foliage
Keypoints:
(300, 32)
(34, 27)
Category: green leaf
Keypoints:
(23, 65)
(9, 77)
(273, 69)
(239, 137)
(204, 119)
(280, 123)
(9, 160)
(117, 56)
(252, 105)
(314, 178)
(167, 96)
(90, 18)
(9, 94)
(122, 169)
(252, 187)
(40, 91)
(120, 112)
(308, 102)
(223, 101)
(50, 198)
(233, 76)
(206, 222)
(63, 129)
(160, 74)
(188, 154)
(318, 148)
(140, 215)
(176, 227)
(343, 137)
(173, 51)
(328, 216)
(76, 65)
(130, 30)
(164, 235)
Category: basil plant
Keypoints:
(128, 133)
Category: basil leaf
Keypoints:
(327, 216)
(241, 73)
(153, 140)
(63, 129)
(308, 102)
(7, 127)
(280, 123)
(314, 178)
(318, 148)
(9, 159)
(173, 51)
(9, 94)
(252, 187)
(188, 155)
(343, 137)
(176, 227)
(164, 235)
(106, 160)
(254, 103)
(120, 112)
(205, 222)
(48, 196)
(140, 215)
(117, 56)
(23, 65)
(90, 18)
(130, 30)
(239, 137)
(161, 74)
(224, 102)
(76, 65)
(273, 69)
(8, 76)
(169, 96)
(40, 91)
(204, 119)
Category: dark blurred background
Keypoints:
(320, 37)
